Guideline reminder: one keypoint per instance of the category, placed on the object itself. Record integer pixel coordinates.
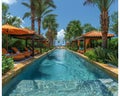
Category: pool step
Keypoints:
(64, 88)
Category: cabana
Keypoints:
(22, 33)
(89, 37)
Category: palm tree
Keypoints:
(42, 9)
(31, 14)
(103, 6)
(114, 23)
(73, 29)
(49, 23)
(14, 20)
(8, 18)
(5, 8)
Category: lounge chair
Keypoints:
(26, 49)
(14, 56)
(26, 54)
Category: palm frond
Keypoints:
(87, 2)
(50, 3)
(46, 12)
(26, 15)
(111, 1)
(26, 4)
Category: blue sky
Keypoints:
(66, 10)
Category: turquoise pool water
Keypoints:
(61, 73)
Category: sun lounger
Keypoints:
(26, 54)
(26, 49)
(14, 56)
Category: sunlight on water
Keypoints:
(63, 88)
(64, 65)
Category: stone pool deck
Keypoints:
(20, 66)
(111, 70)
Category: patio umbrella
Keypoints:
(11, 30)
(28, 31)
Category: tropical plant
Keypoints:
(50, 23)
(6, 38)
(88, 27)
(113, 58)
(7, 64)
(101, 54)
(14, 20)
(113, 44)
(43, 8)
(5, 8)
(30, 14)
(114, 23)
(73, 30)
(91, 55)
(38, 9)
(12, 42)
(8, 18)
(75, 48)
(103, 6)
(106, 56)
(19, 44)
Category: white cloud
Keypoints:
(60, 38)
(60, 34)
(9, 1)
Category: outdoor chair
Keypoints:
(26, 53)
(14, 56)
(26, 49)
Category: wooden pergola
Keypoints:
(90, 36)
(22, 33)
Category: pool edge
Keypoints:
(112, 71)
(20, 66)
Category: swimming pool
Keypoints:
(61, 73)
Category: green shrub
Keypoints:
(7, 64)
(99, 42)
(19, 44)
(91, 55)
(101, 54)
(113, 44)
(74, 48)
(113, 58)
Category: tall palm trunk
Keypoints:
(104, 27)
(50, 36)
(39, 24)
(51, 41)
(32, 15)
(39, 19)
(32, 22)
